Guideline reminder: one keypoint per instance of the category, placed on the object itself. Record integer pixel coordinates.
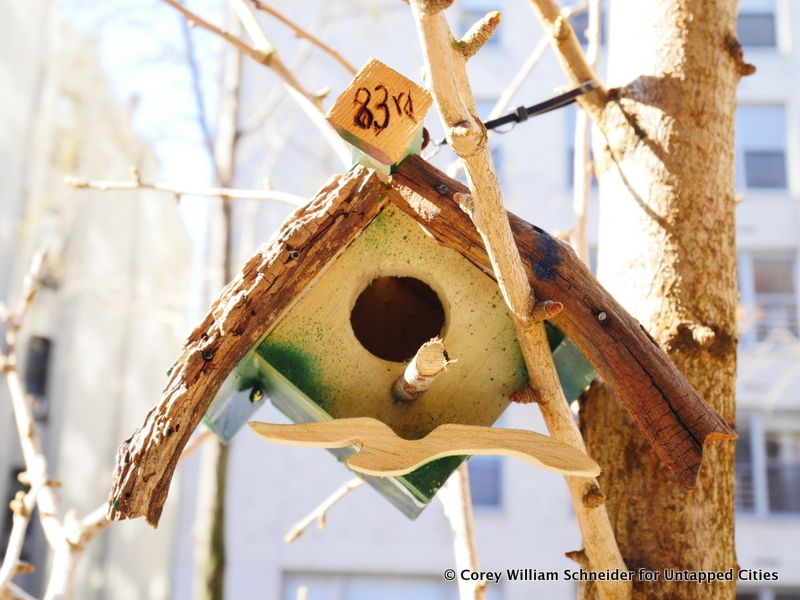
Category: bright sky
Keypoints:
(143, 52)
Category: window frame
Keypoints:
(748, 337)
(741, 149)
(496, 462)
(773, 47)
(757, 429)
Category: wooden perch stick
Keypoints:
(320, 513)
(429, 361)
(302, 33)
(136, 183)
(446, 68)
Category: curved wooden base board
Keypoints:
(381, 452)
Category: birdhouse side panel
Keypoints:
(316, 347)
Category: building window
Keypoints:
(761, 147)
(472, 11)
(486, 481)
(768, 465)
(756, 24)
(768, 290)
(745, 491)
(783, 471)
(37, 372)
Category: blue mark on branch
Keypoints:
(547, 256)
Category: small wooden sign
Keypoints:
(380, 112)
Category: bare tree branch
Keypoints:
(570, 55)
(66, 535)
(457, 504)
(216, 192)
(582, 171)
(14, 592)
(259, 56)
(22, 508)
(505, 97)
(306, 35)
(320, 514)
(267, 56)
(446, 69)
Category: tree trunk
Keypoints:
(667, 253)
(210, 524)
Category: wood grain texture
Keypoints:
(244, 313)
(430, 361)
(674, 419)
(381, 452)
(380, 112)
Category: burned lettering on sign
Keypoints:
(366, 117)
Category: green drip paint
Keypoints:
(297, 366)
(425, 481)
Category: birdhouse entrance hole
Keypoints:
(394, 316)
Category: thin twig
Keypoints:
(22, 507)
(197, 91)
(582, 171)
(311, 104)
(259, 56)
(96, 521)
(447, 75)
(218, 192)
(22, 407)
(320, 513)
(267, 56)
(14, 592)
(302, 33)
(457, 503)
(67, 536)
(505, 97)
(570, 55)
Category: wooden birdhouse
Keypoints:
(327, 320)
(349, 337)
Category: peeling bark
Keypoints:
(244, 313)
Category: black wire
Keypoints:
(523, 113)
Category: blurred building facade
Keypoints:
(523, 517)
(110, 316)
(111, 319)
